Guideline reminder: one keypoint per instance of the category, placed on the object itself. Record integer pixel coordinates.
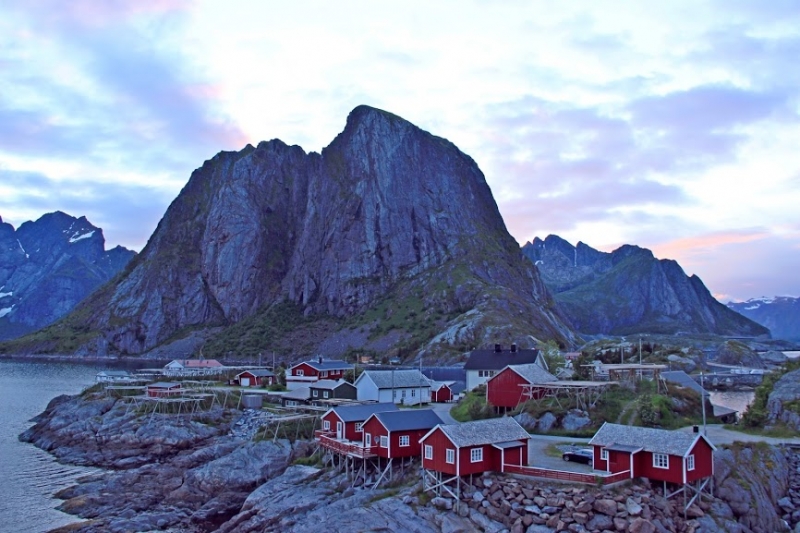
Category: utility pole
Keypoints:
(702, 386)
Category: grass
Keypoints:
(777, 431)
(472, 407)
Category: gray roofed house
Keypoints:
(479, 432)
(399, 386)
(388, 379)
(350, 413)
(329, 384)
(648, 439)
(300, 395)
(408, 419)
(326, 364)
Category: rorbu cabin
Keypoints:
(396, 434)
(475, 447)
(256, 377)
(164, 389)
(516, 384)
(325, 390)
(677, 457)
(345, 421)
(307, 373)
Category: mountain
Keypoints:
(629, 291)
(389, 241)
(48, 266)
(780, 314)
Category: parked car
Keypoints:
(579, 455)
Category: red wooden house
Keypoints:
(396, 434)
(474, 447)
(441, 392)
(344, 422)
(308, 372)
(676, 457)
(255, 377)
(515, 384)
(164, 389)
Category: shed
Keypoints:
(255, 377)
(396, 434)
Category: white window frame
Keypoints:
(661, 460)
(690, 462)
(413, 392)
(384, 441)
(359, 427)
(405, 440)
(603, 454)
(428, 451)
(450, 456)
(315, 393)
(403, 393)
(326, 425)
(298, 372)
(324, 374)
(476, 455)
(325, 394)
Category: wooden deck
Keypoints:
(346, 447)
(563, 475)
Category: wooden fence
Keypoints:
(355, 449)
(563, 475)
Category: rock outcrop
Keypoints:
(629, 291)
(390, 228)
(48, 266)
(783, 403)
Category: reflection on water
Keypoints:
(29, 475)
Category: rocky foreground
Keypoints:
(167, 473)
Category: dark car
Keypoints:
(579, 455)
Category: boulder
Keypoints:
(575, 419)
(546, 422)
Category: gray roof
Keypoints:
(258, 372)
(354, 413)
(387, 379)
(479, 432)
(445, 373)
(679, 377)
(533, 373)
(408, 419)
(164, 384)
(300, 393)
(327, 364)
(649, 439)
(457, 387)
(329, 384)
(492, 360)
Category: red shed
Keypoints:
(475, 447)
(395, 434)
(504, 390)
(163, 389)
(675, 457)
(255, 377)
(345, 421)
(441, 392)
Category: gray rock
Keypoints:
(546, 422)
(575, 419)
(605, 506)
(632, 508)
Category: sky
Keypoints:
(673, 125)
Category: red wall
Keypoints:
(442, 395)
(673, 474)
(703, 461)
(503, 389)
(414, 449)
(440, 443)
(307, 370)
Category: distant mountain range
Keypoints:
(780, 314)
(629, 291)
(48, 266)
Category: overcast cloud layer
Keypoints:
(670, 125)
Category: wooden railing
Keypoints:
(563, 475)
(346, 447)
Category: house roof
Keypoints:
(408, 420)
(479, 432)
(679, 377)
(457, 387)
(257, 372)
(436, 385)
(532, 373)
(326, 364)
(649, 439)
(164, 385)
(493, 360)
(196, 363)
(354, 413)
(329, 384)
(119, 373)
(300, 393)
(445, 373)
(387, 379)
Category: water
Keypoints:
(738, 400)
(29, 476)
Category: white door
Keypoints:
(339, 430)
(367, 440)
(245, 382)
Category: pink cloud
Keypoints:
(700, 245)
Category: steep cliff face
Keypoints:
(630, 291)
(780, 314)
(48, 266)
(386, 211)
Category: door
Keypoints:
(367, 440)
(245, 382)
(339, 430)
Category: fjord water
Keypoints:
(28, 475)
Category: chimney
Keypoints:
(319, 359)
(513, 347)
(498, 348)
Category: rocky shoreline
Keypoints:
(181, 475)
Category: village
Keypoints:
(384, 422)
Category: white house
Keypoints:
(409, 387)
(483, 364)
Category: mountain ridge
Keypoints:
(781, 314)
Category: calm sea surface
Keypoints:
(29, 476)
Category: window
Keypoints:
(326, 425)
(291, 403)
(660, 460)
(476, 455)
(315, 393)
(604, 454)
(405, 440)
(404, 393)
(298, 372)
(359, 427)
(450, 456)
(690, 462)
(325, 394)
(384, 441)
(325, 374)
(394, 394)
(428, 451)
